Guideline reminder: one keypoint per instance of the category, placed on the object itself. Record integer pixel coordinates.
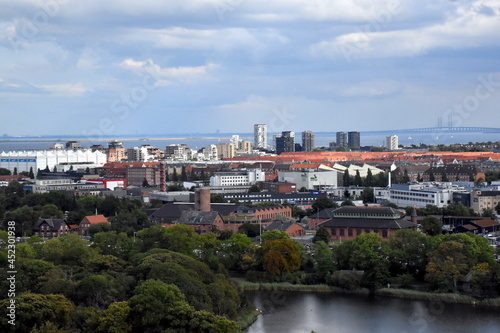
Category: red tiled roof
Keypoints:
(485, 223)
(469, 227)
(95, 219)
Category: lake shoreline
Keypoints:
(244, 285)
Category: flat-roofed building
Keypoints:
(423, 194)
(481, 200)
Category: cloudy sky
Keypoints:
(118, 67)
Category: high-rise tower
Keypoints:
(307, 141)
(260, 136)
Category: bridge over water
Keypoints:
(439, 130)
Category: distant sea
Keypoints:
(200, 140)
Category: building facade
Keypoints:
(353, 139)
(237, 178)
(423, 194)
(286, 142)
(307, 141)
(391, 142)
(310, 179)
(63, 160)
(116, 151)
(348, 222)
(45, 186)
(260, 136)
(226, 150)
(341, 138)
(481, 200)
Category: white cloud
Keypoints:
(167, 75)
(468, 27)
(372, 89)
(65, 89)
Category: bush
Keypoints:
(348, 280)
(404, 280)
(257, 276)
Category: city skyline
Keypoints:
(221, 66)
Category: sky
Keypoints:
(96, 68)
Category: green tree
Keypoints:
(322, 235)
(322, 203)
(113, 243)
(346, 178)
(497, 208)
(280, 256)
(488, 212)
(25, 218)
(456, 210)
(51, 211)
(159, 307)
(235, 248)
(250, 229)
(31, 174)
(367, 252)
(109, 206)
(477, 248)
(431, 176)
(183, 174)
(324, 259)
(114, 319)
(68, 250)
(444, 177)
(357, 179)
(217, 198)
(175, 177)
(4, 172)
(347, 203)
(447, 263)
(35, 310)
(408, 252)
(254, 188)
(431, 226)
(483, 282)
(274, 235)
(368, 195)
(369, 180)
(406, 178)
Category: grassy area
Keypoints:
(436, 297)
(247, 317)
(285, 286)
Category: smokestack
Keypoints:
(414, 214)
(202, 200)
(162, 177)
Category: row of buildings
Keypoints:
(50, 227)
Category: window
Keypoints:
(349, 232)
(342, 232)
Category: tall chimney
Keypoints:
(162, 177)
(414, 214)
(202, 200)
